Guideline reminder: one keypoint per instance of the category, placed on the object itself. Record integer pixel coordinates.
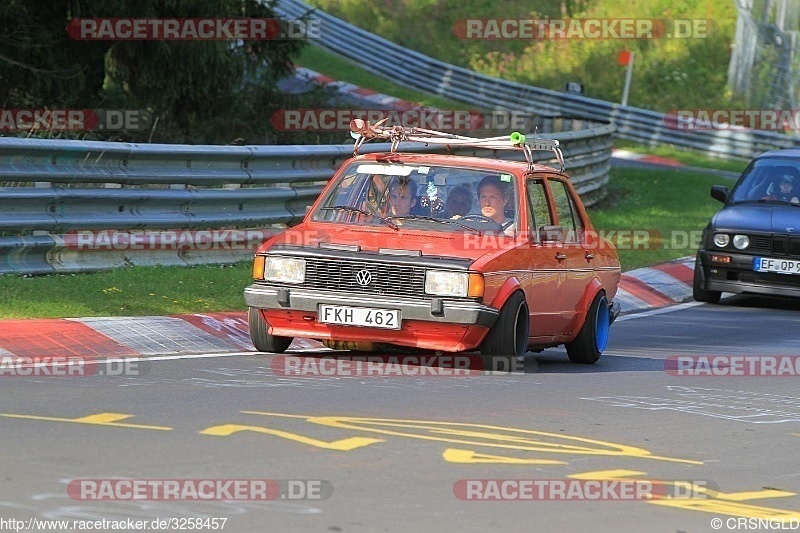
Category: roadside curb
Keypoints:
(144, 336)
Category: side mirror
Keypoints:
(720, 193)
(550, 234)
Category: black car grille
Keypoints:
(341, 275)
(761, 243)
(776, 245)
(785, 245)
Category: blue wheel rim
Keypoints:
(602, 325)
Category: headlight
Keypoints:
(446, 283)
(722, 239)
(741, 241)
(285, 269)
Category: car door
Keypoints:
(544, 286)
(578, 258)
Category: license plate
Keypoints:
(359, 316)
(779, 266)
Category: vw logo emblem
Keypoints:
(364, 277)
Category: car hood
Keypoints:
(764, 218)
(464, 245)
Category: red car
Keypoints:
(439, 252)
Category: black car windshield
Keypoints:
(435, 198)
(769, 180)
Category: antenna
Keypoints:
(362, 131)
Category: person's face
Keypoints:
(400, 201)
(786, 187)
(457, 204)
(492, 203)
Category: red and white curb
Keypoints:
(618, 153)
(645, 288)
(656, 286)
(130, 336)
(349, 89)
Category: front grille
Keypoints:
(761, 243)
(786, 245)
(388, 279)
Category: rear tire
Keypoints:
(508, 338)
(262, 340)
(588, 346)
(698, 292)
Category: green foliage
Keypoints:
(683, 73)
(196, 91)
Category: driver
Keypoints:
(785, 191)
(493, 198)
(402, 197)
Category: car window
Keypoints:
(539, 212)
(437, 198)
(761, 181)
(568, 216)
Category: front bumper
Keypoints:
(433, 310)
(433, 324)
(739, 277)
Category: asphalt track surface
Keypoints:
(396, 453)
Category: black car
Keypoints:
(752, 245)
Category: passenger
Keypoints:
(458, 202)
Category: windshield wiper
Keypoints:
(359, 210)
(775, 201)
(447, 221)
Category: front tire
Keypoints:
(698, 292)
(508, 338)
(259, 334)
(588, 346)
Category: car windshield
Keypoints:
(437, 198)
(769, 180)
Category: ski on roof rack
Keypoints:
(362, 131)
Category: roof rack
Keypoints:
(362, 131)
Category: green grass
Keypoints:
(671, 206)
(341, 69)
(126, 292)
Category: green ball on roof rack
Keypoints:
(517, 138)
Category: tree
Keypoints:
(199, 90)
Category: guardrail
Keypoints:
(64, 188)
(415, 70)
